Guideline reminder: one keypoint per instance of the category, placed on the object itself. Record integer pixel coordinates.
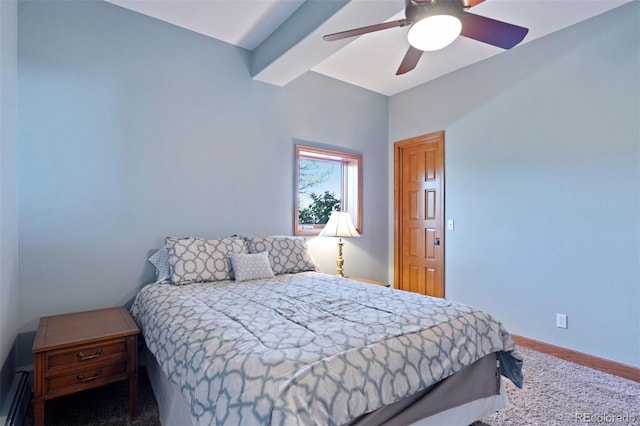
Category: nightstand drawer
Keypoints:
(87, 377)
(83, 354)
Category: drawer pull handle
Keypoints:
(82, 379)
(84, 358)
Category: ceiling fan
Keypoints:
(436, 23)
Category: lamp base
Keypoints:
(340, 260)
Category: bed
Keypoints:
(302, 347)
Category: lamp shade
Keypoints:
(339, 225)
(434, 32)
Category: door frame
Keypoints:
(398, 146)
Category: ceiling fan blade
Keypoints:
(492, 31)
(364, 30)
(410, 60)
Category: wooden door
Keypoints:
(419, 213)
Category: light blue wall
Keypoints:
(9, 289)
(132, 129)
(542, 166)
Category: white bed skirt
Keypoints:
(172, 406)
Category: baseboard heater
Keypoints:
(21, 391)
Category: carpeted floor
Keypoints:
(104, 406)
(558, 392)
(555, 392)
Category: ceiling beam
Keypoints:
(297, 45)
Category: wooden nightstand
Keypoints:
(83, 350)
(364, 280)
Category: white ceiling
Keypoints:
(285, 36)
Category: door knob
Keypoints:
(437, 241)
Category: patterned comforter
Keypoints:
(306, 348)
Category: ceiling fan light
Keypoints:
(434, 32)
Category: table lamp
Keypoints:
(339, 225)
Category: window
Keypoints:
(326, 180)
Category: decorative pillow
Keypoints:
(287, 255)
(160, 259)
(198, 260)
(251, 266)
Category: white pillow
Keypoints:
(251, 266)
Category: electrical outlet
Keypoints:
(561, 320)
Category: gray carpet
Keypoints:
(555, 392)
(558, 392)
(104, 406)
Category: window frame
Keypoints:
(352, 163)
